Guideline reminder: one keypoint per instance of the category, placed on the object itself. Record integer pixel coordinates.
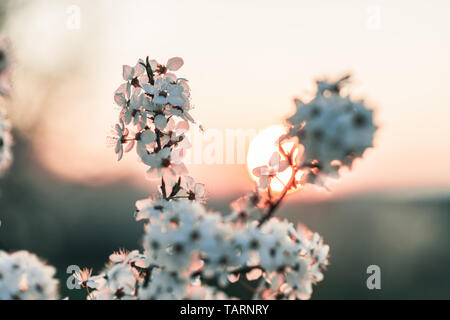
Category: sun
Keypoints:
(262, 148)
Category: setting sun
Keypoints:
(261, 150)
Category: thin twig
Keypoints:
(287, 187)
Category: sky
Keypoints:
(246, 61)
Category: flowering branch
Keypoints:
(190, 252)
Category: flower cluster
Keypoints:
(154, 118)
(24, 277)
(5, 66)
(5, 143)
(333, 130)
(5, 85)
(190, 252)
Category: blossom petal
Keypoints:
(160, 122)
(175, 63)
(127, 73)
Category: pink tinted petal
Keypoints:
(188, 182)
(188, 117)
(274, 160)
(115, 257)
(141, 204)
(254, 274)
(175, 63)
(153, 64)
(138, 69)
(233, 277)
(199, 189)
(142, 215)
(264, 182)
(143, 78)
(184, 84)
(120, 100)
(129, 146)
(170, 125)
(141, 264)
(127, 73)
(171, 76)
(283, 165)
(185, 144)
(260, 171)
(183, 126)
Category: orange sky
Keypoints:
(245, 62)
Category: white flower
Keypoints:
(132, 257)
(162, 165)
(175, 95)
(266, 173)
(157, 91)
(129, 73)
(173, 64)
(195, 191)
(24, 277)
(120, 138)
(145, 139)
(122, 95)
(86, 280)
(133, 110)
(333, 130)
(151, 208)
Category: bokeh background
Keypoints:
(68, 199)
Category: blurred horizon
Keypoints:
(66, 75)
(74, 224)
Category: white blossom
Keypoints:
(190, 252)
(333, 129)
(23, 276)
(266, 173)
(6, 142)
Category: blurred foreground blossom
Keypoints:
(5, 85)
(5, 66)
(5, 143)
(333, 129)
(24, 277)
